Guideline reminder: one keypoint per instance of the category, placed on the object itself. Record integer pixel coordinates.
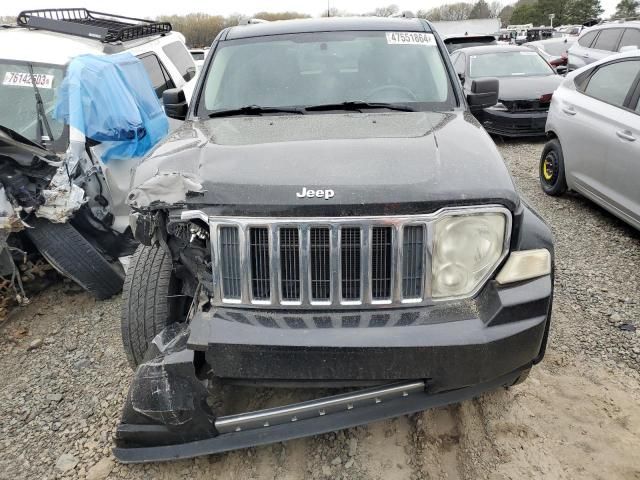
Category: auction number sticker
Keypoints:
(22, 79)
(410, 38)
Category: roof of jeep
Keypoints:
(41, 46)
(333, 24)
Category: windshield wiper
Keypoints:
(359, 106)
(255, 110)
(42, 115)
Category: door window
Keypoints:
(459, 63)
(611, 83)
(586, 39)
(608, 39)
(159, 76)
(181, 58)
(631, 37)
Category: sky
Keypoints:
(248, 7)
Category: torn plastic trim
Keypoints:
(9, 219)
(62, 198)
(143, 443)
(165, 189)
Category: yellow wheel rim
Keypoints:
(547, 170)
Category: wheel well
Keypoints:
(551, 135)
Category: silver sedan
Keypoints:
(593, 128)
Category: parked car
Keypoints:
(541, 33)
(454, 43)
(330, 214)
(554, 51)
(594, 136)
(198, 54)
(80, 227)
(526, 81)
(603, 40)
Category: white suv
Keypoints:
(603, 40)
(34, 55)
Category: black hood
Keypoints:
(376, 163)
(528, 88)
(21, 149)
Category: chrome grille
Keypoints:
(344, 263)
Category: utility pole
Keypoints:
(328, 8)
(551, 17)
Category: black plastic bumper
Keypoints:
(459, 350)
(510, 124)
(314, 426)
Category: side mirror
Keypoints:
(191, 72)
(175, 103)
(461, 77)
(484, 93)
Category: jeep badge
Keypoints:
(326, 194)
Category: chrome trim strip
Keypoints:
(316, 408)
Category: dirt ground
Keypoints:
(63, 378)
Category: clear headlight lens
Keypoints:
(465, 249)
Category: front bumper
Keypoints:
(508, 124)
(456, 350)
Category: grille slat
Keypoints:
(259, 256)
(320, 264)
(412, 261)
(350, 244)
(230, 263)
(381, 255)
(290, 263)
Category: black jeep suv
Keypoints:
(330, 215)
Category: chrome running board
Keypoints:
(316, 408)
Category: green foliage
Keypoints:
(505, 15)
(566, 12)
(480, 10)
(448, 12)
(627, 9)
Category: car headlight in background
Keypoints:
(466, 248)
(498, 107)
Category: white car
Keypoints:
(593, 127)
(602, 41)
(34, 56)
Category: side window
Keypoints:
(459, 63)
(181, 58)
(586, 39)
(159, 76)
(608, 39)
(630, 37)
(611, 83)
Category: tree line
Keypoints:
(200, 29)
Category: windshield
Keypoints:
(18, 107)
(508, 64)
(328, 68)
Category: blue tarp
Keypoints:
(110, 99)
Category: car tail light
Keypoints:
(546, 98)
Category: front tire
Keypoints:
(152, 300)
(551, 169)
(73, 256)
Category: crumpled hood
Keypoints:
(375, 163)
(527, 88)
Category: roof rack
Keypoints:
(81, 22)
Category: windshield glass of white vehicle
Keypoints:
(18, 100)
(310, 69)
(508, 64)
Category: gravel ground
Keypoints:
(63, 379)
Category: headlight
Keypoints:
(466, 249)
(499, 107)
